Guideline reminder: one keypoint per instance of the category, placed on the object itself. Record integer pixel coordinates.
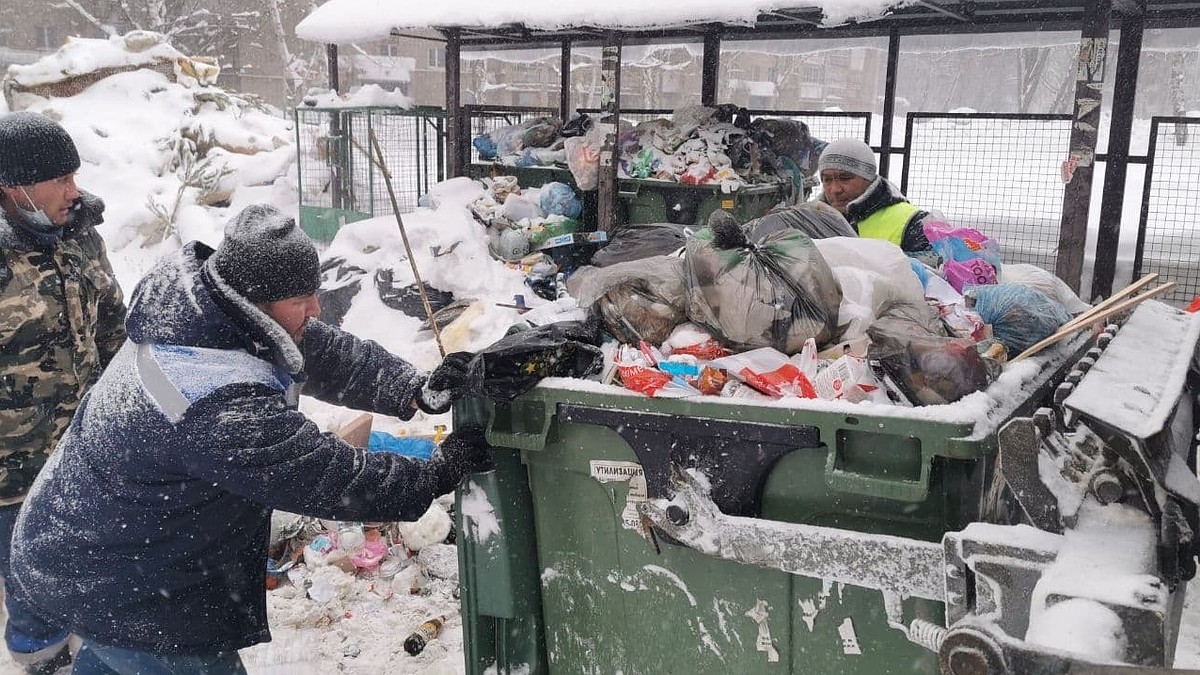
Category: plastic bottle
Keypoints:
(429, 630)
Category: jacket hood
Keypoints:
(181, 301)
(172, 305)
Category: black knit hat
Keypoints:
(34, 148)
(265, 257)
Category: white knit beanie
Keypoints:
(849, 154)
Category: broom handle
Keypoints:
(1116, 297)
(412, 260)
(1091, 318)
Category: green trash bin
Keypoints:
(561, 575)
(644, 200)
(659, 201)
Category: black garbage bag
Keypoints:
(777, 291)
(816, 219)
(339, 284)
(641, 241)
(407, 299)
(517, 362)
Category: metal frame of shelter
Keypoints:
(1092, 18)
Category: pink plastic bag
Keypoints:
(973, 272)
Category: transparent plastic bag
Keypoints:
(636, 300)
(775, 292)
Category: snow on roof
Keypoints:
(346, 21)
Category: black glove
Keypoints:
(447, 383)
(465, 451)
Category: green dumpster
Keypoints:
(561, 573)
(655, 201)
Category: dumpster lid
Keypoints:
(1136, 382)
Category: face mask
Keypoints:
(33, 215)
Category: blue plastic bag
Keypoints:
(1021, 316)
(420, 448)
(560, 199)
(486, 146)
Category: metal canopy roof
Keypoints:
(922, 16)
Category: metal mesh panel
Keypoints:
(1168, 241)
(488, 119)
(413, 147)
(410, 149)
(313, 157)
(999, 174)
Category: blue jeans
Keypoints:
(25, 633)
(94, 659)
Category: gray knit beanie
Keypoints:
(266, 257)
(849, 154)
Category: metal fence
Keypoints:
(339, 178)
(483, 119)
(1168, 233)
(997, 173)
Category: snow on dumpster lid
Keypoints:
(345, 21)
(1137, 381)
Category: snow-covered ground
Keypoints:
(133, 132)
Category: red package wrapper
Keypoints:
(769, 371)
(708, 350)
(643, 380)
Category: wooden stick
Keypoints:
(1116, 297)
(1091, 319)
(377, 160)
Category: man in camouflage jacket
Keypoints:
(61, 314)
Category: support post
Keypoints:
(1080, 165)
(564, 98)
(889, 102)
(711, 69)
(1117, 168)
(456, 124)
(338, 149)
(610, 126)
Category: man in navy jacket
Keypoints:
(147, 532)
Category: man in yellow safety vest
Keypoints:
(873, 205)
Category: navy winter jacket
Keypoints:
(148, 529)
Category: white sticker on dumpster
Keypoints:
(614, 472)
(763, 642)
(631, 472)
(849, 637)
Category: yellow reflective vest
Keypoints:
(887, 223)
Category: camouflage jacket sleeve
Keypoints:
(61, 320)
(110, 309)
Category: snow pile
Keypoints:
(172, 157)
(366, 96)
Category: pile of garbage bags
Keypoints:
(792, 305)
(697, 145)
